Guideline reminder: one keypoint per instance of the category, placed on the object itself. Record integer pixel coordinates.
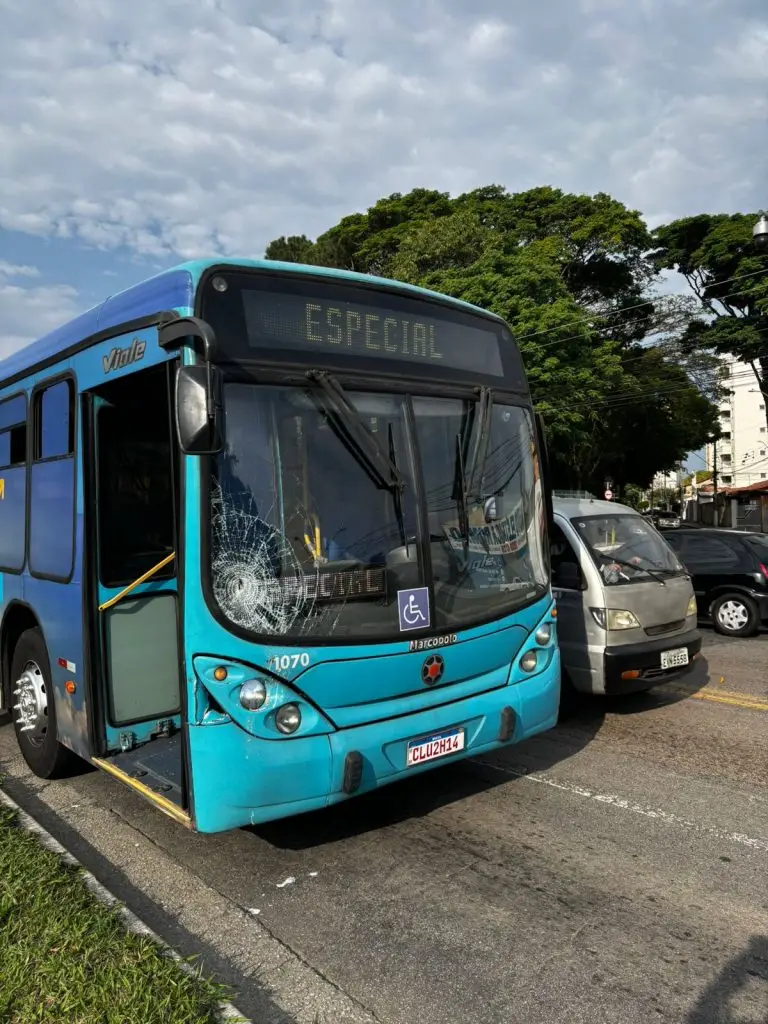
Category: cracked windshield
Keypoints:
(626, 549)
(315, 524)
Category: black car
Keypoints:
(730, 576)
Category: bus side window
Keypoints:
(52, 482)
(566, 571)
(13, 483)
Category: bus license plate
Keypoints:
(432, 747)
(674, 659)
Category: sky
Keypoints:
(136, 135)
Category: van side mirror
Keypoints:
(199, 410)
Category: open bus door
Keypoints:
(131, 576)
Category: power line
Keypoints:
(628, 396)
(586, 317)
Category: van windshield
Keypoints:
(626, 548)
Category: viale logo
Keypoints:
(120, 357)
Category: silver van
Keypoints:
(626, 610)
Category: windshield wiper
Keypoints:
(397, 494)
(460, 493)
(476, 467)
(357, 436)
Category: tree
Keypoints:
(572, 277)
(729, 278)
(294, 249)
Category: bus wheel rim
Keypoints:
(32, 704)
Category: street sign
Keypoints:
(608, 495)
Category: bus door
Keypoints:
(132, 501)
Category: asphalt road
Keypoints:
(613, 870)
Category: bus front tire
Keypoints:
(34, 708)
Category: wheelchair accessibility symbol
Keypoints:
(413, 608)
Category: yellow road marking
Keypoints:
(740, 700)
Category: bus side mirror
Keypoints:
(199, 409)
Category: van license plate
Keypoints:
(674, 659)
(431, 747)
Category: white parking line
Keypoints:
(629, 805)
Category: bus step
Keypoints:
(156, 764)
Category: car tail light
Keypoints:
(764, 570)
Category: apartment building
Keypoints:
(742, 453)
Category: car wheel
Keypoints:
(735, 615)
(34, 710)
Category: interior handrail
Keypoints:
(142, 579)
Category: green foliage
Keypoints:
(294, 249)
(633, 496)
(572, 276)
(728, 275)
(700, 476)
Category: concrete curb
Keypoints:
(227, 1012)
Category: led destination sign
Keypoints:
(353, 322)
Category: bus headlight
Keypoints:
(693, 608)
(253, 694)
(529, 661)
(288, 718)
(543, 634)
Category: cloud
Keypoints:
(28, 312)
(179, 130)
(9, 270)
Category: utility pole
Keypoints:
(714, 483)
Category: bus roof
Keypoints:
(170, 290)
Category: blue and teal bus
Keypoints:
(272, 536)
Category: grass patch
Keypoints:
(65, 958)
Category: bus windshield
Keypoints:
(312, 537)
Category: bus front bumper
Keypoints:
(240, 780)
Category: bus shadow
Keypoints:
(422, 795)
(739, 992)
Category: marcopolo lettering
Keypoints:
(431, 642)
(121, 357)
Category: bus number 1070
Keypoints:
(286, 662)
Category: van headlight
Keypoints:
(693, 608)
(614, 618)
